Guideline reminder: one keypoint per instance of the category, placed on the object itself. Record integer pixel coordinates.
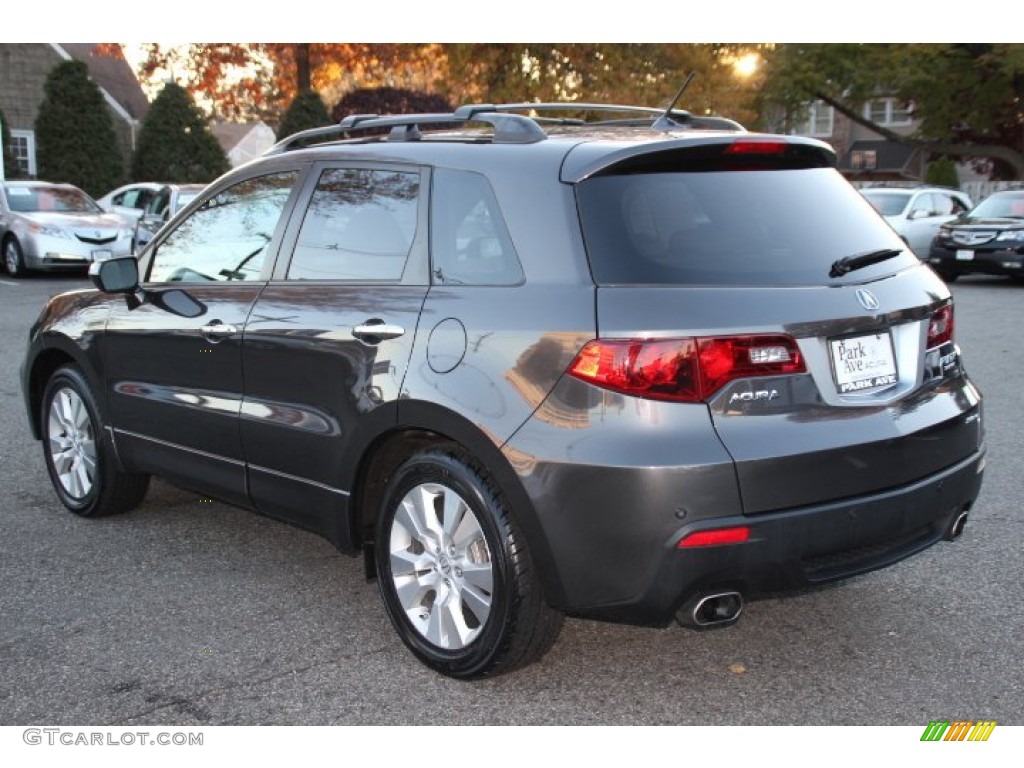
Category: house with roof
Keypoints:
(243, 142)
(863, 154)
(24, 68)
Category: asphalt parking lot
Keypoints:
(191, 612)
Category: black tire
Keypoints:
(519, 627)
(89, 488)
(947, 275)
(14, 257)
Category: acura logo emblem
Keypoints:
(867, 299)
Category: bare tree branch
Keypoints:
(1009, 156)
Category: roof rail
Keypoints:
(678, 118)
(508, 129)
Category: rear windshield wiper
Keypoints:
(849, 263)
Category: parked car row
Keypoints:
(944, 229)
(51, 227)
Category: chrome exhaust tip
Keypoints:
(718, 610)
(956, 530)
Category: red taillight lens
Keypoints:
(940, 327)
(716, 537)
(683, 370)
(661, 370)
(754, 147)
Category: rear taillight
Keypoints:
(683, 370)
(940, 327)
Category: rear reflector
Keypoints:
(940, 327)
(714, 538)
(683, 370)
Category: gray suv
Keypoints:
(640, 368)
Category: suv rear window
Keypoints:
(733, 227)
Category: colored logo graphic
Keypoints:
(958, 730)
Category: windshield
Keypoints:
(1006, 206)
(887, 203)
(762, 227)
(49, 200)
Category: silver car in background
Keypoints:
(166, 202)
(56, 226)
(917, 213)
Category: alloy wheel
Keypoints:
(441, 566)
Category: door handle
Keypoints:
(375, 331)
(215, 331)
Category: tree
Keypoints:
(175, 143)
(75, 139)
(388, 101)
(256, 79)
(11, 168)
(645, 74)
(306, 111)
(969, 98)
(942, 173)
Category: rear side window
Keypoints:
(360, 225)
(736, 227)
(469, 242)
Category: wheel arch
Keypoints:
(423, 424)
(59, 351)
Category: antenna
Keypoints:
(666, 123)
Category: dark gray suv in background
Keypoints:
(636, 369)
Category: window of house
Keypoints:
(360, 225)
(863, 160)
(818, 121)
(227, 238)
(23, 143)
(888, 111)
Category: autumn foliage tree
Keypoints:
(75, 139)
(307, 110)
(175, 143)
(257, 79)
(388, 101)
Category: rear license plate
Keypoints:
(101, 255)
(863, 362)
(962, 255)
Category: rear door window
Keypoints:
(360, 225)
(732, 227)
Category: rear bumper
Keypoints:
(615, 483)
(803, 547)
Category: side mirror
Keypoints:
(115, 275)
(122, 276)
